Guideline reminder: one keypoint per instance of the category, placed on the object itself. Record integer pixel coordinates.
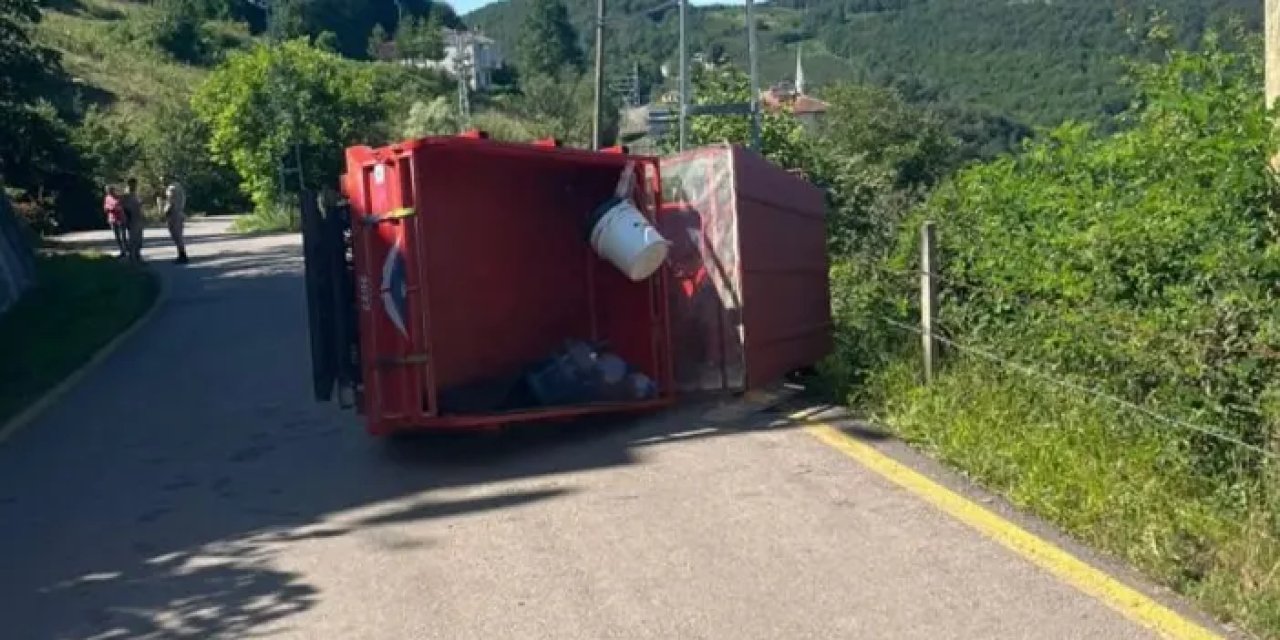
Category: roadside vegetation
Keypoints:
(1109, 308)
(1109, 289)
(79, 304)
(1112, 319)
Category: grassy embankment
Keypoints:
(81, 302)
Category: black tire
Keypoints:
(319, 283)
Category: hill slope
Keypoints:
(1037, 61)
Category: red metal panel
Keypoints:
(497, 273)
(749, 301)
(393, 343)
(784, 269)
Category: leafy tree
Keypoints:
(562, 108)
(177, 31)
(25, 68)
(106, 143)
(782, 136)
(991, 69)
(400, 88)
(377, 40)
(419, 39)
(503, 127)
(326, 41)
(879, 156)
(289, 19)
(261, 103)
(37, 156)
(879, 126)
(548, 43)
(438, 117)
(173, 142)
(1144, 262)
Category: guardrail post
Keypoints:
(928, 298)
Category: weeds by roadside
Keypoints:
(277, 218)
(1116, 482)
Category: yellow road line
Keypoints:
(1115, 594)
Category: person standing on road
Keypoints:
(116, 218)
(132, 205)
(175, 205)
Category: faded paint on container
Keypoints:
(750, 300)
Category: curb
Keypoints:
(28, 415)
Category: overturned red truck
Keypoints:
(462, 283)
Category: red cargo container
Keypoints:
(469, 261)
(750, 297)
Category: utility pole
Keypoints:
(1272, 51)
(683, 106)
(597, 136)
(928, 299)
(463, 65)
(1272, 91)
(755, 76)
(1272, 61)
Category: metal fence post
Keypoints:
(928, 298)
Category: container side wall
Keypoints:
(785, 281)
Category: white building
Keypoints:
(468, 55)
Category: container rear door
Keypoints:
(393, 342)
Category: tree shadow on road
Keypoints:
(175, 471)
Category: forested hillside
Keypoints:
(1035, 61)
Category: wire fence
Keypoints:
(926, 284)
(1111, 333)
(1071, 386)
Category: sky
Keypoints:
(465, 6)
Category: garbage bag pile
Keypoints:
(579, 372)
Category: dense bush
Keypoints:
(261, 103)
(1147, 262)
(1144, 265)
(560, 108)
(177, 30)
(438, 117)
(173, 143)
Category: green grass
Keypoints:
(80, 303)
(1113, 480)
(275, 219)
(99, 47)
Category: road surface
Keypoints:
(190, 488)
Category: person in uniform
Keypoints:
(175, 215)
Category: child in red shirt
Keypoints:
(116, 218)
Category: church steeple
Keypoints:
(799, 70)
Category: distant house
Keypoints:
(466, 54)
(790, 96)
(785, 96)
(806, 109)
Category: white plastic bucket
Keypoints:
(624, 237)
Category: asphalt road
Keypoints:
(190, 488)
